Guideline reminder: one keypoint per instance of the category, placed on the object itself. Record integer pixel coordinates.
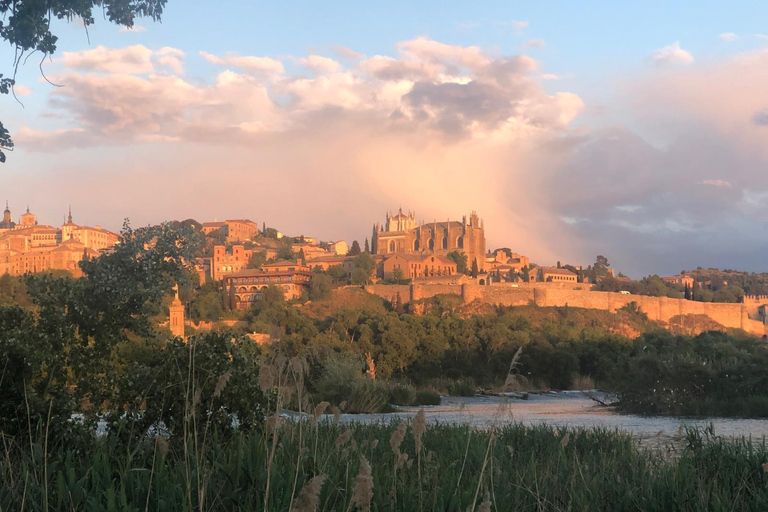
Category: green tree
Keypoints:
(337, 273)
(367, 247)
(26, 27)
(65, 356)
(460, 259)
(355, 249)
(320, 287)
(258, 259)
(398, 276)
(475, 269)
(363, 269)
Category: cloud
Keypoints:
(760, 117)
(440, 128)
(518, 25)
(135, 29)
(259, 65)
(320, 65)
(132, 60)
(347, 53)
(535, 43)
(717, 183)
(670, 55)
(22, 90)
(728, 37)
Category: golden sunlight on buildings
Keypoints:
(32, 247)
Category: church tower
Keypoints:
(176, 315)
(7, 222)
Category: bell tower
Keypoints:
(176, 315)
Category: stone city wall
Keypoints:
(661, 309)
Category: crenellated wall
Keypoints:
(661, 309)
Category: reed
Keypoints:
(514, 467)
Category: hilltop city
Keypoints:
(404, 259)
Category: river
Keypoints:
(571, 409)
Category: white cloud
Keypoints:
(135, 28)
(535, 43)
(22, 90)
(320, 65)
(519, 25)
(728, 37)
(132, 60)
(259, 65)
(671, 54)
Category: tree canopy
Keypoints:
(26, 26)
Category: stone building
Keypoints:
(556, 275)
(235, 230)
(418, 265)
(224, 263)
(245, 287)
(401, 233)
(32, 247)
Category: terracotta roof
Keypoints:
(558, 271)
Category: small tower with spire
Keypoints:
(176, 314)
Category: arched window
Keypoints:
(460, 242)
(416, 245)
(431, 244)
(392, 246)
(445, 242)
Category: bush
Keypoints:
(462, 387)
(401, 394)
(426, 397)
(367, 397)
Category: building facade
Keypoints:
(245, 287)
(32, 247)
(401, 233)
(418, 265)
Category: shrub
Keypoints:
(426, 397)
(462, 387)
(401, 394)
(367, 397)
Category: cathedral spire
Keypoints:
(69, 217)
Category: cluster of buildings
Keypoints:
(401, 248)
(27, 246)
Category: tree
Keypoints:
(600, 268)
(475, 269)
(460, 259)
(398, 276)
(337, 273)
(367, 247)
(26, 26)
(320, 287)
(257, 259)
(355, 249)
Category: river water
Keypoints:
(571, 409)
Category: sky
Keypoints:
(635, 130)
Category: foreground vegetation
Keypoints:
(310, 465)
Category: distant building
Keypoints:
(235, 230)
(401, 233)
(557, 275)
(682, 279)
(32, 247)
(339, 248)
(500, 262)
(245, 287)
(224, 263)
(417, 265)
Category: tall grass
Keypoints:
(328, 466)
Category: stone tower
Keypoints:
(176, 314)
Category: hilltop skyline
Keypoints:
(634, 132)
